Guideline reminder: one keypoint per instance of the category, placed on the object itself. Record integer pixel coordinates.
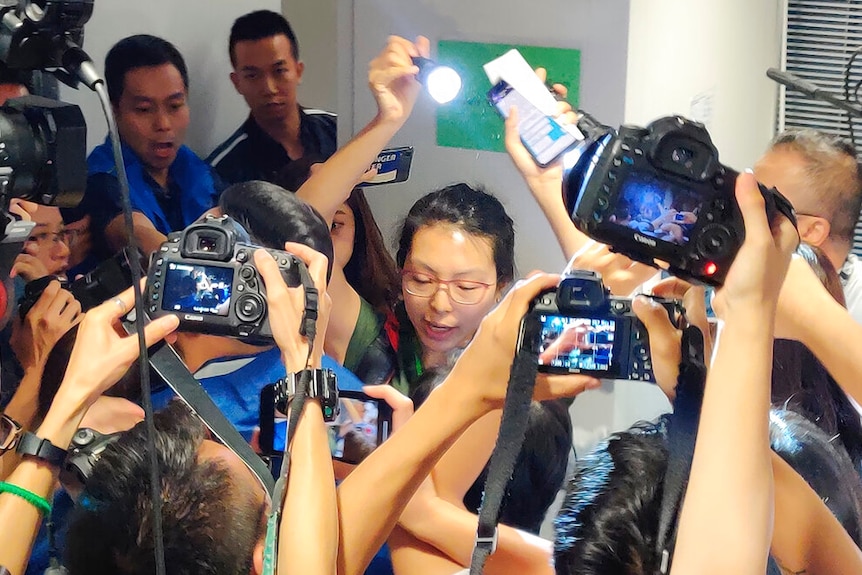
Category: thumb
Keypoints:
(402, 407)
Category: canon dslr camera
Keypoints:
(579, 328)
(660, 193)
(205, 275)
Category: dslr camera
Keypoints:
(580, 328)
(205, 275)
(660, 193)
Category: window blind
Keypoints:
(820, 38)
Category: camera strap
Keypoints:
(172, 370)
(513, 427)
(681, 438)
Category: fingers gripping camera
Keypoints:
(584, 330)
(205, 275)
(660, 193)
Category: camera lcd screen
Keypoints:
(202, 289)
(657, 208)
(354, 433)
(577, 344)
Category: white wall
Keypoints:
(200, 29)
(720, 49)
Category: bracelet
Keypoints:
(39, 503)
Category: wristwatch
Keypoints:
(322, 385)
(10, 431)
(34, 446)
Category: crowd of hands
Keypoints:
(727, 520)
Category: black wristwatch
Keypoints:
(322, 385)
(34, 446)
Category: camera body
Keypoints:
(205, 275)
(84, 452)
(109, 279)
(583, 329)
(660, 193)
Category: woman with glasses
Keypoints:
(46, 251)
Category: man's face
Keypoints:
(266, 74)
(153, 114)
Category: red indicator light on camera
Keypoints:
(710, 268)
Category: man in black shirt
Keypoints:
(266, 72)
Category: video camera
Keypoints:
(583, 329)
(205, 275)
(660, 193)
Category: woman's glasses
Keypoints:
(464, 292)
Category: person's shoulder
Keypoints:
(321, 118)
(227, 151)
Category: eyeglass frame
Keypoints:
(68, 237)
(439, 283)
(9, 441)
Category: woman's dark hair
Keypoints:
(801, 382)
(823, 463)
(272, 216)
(475, 211)
(540, 469)
(140, 51)
(371, 270)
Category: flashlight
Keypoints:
(442, 82)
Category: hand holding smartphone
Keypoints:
(362, 424)
(544, 137)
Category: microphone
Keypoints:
(794, 82)
(813, 91)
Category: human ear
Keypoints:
(257, 558)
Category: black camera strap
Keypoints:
(513, 427)
(172, 370)
(681, 438)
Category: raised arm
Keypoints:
(809, 314)
(309, 521)
(99, 359)
(372, 498)
(729, 501)
(392, 80)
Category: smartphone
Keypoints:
(393, 166)
(544, 137)
(362, 424)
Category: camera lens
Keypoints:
(249, 308)
(206, 244)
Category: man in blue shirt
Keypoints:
(170, 187)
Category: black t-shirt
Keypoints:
(250, 154)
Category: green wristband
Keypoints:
(39, 503)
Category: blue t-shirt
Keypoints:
(234, 384)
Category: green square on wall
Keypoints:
(470, 121)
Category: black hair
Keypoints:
(476, 211)
(210, 525)
(608, 523)
(540, 469)
(272, 216)
(609, 519)
(258, 25)
(140, 51)
(823, 463)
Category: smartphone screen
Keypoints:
(362, 424)
(541, 134)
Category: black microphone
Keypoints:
(813, 91)
(78, 64)
(794, 82)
